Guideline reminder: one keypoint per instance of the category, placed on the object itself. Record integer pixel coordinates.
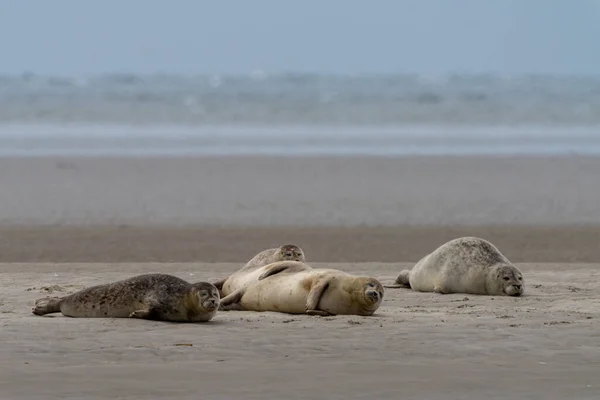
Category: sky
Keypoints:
(429, 37)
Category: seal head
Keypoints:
(509, 279)
(291, 252)
(369, 294)
(207, 296)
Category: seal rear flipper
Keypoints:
(219, 283)
(315, 294)
(47, 305)
(394, 286)
(402, 280)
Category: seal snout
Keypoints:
(373, 295)
(514, 290)
(211, 304)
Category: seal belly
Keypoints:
(337, 302)
(284, 294)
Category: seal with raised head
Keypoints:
(464, 265)
(246, 274)
(313, 291)
(160, 297)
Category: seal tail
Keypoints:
(47, 305)
(402, 281)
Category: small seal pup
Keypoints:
(313, 291)
(464, 265)
(158, 297)
(287, 252)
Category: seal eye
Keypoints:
(506, 278)
(203, 293)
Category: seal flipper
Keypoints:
(47, 305)
(314, 297)
(231, 302)
(141, 314)
(441, 289)
(275, 269)
(402, 281)
(319, 313)
(219, 283)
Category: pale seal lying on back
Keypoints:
(242, 281)
(464, 265)
(311, 291)
(248, 273)
(151, 296)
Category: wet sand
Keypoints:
(86, 221)
(104, 243)
(293, 192)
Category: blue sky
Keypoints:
(79, 37)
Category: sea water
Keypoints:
(298, 114)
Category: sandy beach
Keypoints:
(418, 345)
(72, 222)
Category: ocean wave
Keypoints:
(297, 98)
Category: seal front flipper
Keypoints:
(275, 269)
(314, 297)
(141, 314)
(47, 305)
(318, 313)
(231, 302)
(441, 289)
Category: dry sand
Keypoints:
(107, 219)
(544, 345)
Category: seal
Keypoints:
(245, 277)
(464, 265)
(313, 291)
(158, 297)
(281, 253)
(241, 280)
(287, 252)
